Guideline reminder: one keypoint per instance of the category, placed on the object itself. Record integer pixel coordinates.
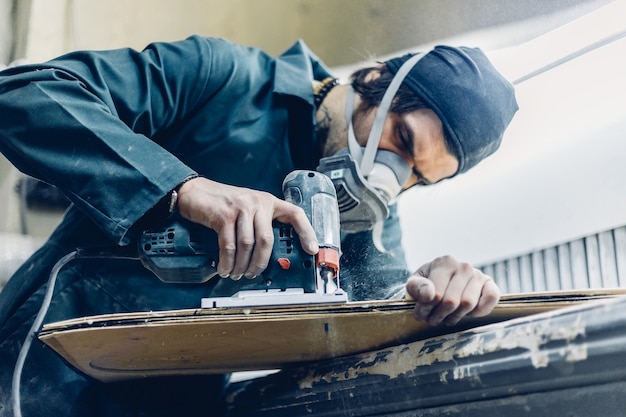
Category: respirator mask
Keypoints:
(368, 179)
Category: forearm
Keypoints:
(62, 134)
(95, 125)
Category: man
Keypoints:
(210, 129)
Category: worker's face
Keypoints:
(417, 137)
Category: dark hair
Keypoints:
(372, 91)
(406, 100)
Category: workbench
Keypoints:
(566, 362)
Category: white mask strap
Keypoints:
(353, 145)
(367, 163)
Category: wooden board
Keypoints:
(202, 341)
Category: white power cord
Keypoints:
(45, 304)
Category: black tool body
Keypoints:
(187, 252)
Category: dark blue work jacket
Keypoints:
(115, 131)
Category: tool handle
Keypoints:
(180, 252)
(315, 193)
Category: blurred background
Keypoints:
(546, 212)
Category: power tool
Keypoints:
(186, 252)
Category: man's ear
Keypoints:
(374, 73)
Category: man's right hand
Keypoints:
(242, 218)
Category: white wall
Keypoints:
(346, 31)
(560, 173)
(6, 31)
(341, 32)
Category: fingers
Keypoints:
(227, 242)
(246, 241)
(243, 220)
(241, 249)
(255, 236)
(422, 291)
(288, 213)
(254, 246)
(446, 290)
(490, 296)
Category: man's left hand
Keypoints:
(446, 290)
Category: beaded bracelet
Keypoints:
(174, 194)
(322, 90)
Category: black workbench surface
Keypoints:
(569, 362)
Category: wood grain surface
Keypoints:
(202, 341)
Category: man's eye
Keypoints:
(419, 180)
(406, 142)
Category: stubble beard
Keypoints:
(331, 133)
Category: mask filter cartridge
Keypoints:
(363, 202)
(368, 179)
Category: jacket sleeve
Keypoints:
(95, 125)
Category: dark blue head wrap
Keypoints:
(473, 100)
